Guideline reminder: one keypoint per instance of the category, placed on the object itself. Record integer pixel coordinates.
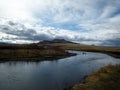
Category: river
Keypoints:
(51, 75)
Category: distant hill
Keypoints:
(55, 41)
(3, 43)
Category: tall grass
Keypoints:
(107, 78)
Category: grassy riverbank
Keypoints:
(52, 49)
(107, 78)
(110, 50)
(31, 51)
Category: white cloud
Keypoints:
(32, 20)
(16, 32)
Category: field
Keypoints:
(13, 51)
(110, 50)
(51, 50)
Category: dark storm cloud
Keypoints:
(114, 42)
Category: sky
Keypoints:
(84, 21)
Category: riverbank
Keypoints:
(107, 78)
(99, 80)
(52, 49)
(110, 50)
(14, 52)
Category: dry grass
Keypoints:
(51, 50)
(32, 51)
(107, 78)
(91, 48)
(113, 51)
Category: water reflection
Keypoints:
(51, 75)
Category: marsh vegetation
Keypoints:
(107, 78)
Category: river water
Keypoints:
(51, 75)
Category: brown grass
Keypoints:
(32, 51)
(107, 78)
(113, 51)
(51, 50)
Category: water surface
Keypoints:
(51, 75)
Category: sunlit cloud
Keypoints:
(84, 21)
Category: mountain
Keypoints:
(3, 43)
(55, 41)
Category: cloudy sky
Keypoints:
(83, 21)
